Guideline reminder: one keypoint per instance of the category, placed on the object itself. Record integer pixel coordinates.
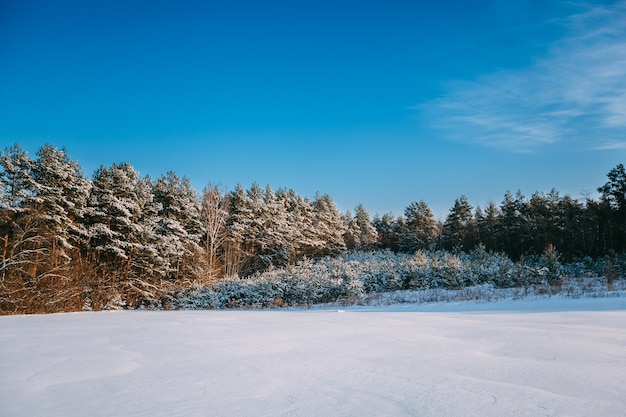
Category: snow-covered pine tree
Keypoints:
(60, 200)
(352, 232)
(262, 224)
(420, 228)
(17, 185)
(290, 223)
(329, 225)
(121, 219)
(180, 227)
(368, 236)
(42, 201)
(255, 240)
(22, 243)
(613, 195)
(576, 229)
(389, 229)
(488, 226)
(236, 231)
(513, 230)
(300, 222)
(457, 228)
(542, 211)
(148, 261)
(278, 238)
(61, 197)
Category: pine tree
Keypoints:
(301, 219)
(389, 229)
(542, 212)
(122, 221)
(457, 229)
(513, 227)
(180, 226)
(17, 185)
(43, 202)
(22, 245)
(61, 198)
(236, 239)
(573, 231)
(488, 227)
(420, 228)
(352, 231)
(614, 195)
(329, 226)
(368, 236)
(278, 239)
(148, 260)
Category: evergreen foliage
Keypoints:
(118, 240)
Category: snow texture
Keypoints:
(541, 357)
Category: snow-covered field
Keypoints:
(542, 357)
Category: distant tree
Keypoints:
(420, 227)
(352, 232)
(614, 190)
(597, 236)
(614, 196)
(388, 230)
(458, 227)
(574, 231)
(275, 239)
(542, 212)
(329, 226)
(368, 235)
(488, 227)
(301, 219)
(256, 239)
(513, 230)
(236, 231)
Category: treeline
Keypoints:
(69, 242)
(518, 226)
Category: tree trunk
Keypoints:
(4, 253)
(36, 258)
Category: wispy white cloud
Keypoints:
(611, 146)
(574, 95)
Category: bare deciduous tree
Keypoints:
(214, 216)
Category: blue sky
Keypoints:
(373, 102)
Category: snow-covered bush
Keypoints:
(354, 275)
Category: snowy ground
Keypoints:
(543, 357)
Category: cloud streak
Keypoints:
(574, 95)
